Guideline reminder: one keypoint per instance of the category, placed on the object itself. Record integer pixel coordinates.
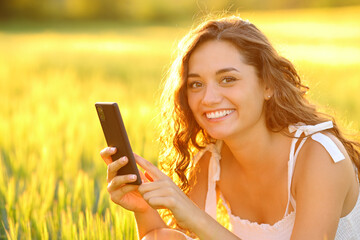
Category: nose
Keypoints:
(212, 95)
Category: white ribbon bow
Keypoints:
(310, 129)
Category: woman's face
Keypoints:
(224, 94)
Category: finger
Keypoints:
(118, 193)
(151, 186)
(160, 192)
(107, 160)
(120, 181)
(114, 167)
(124, 190)
(161, 202)
(152, 190)
(150, 168)
(106, 154)
(108, 151)
(168, 187)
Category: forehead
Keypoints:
(215, 54)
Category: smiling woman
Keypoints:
(225, 100)
(239, 135)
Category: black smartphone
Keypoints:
(115, 134)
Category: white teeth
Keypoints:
(218, 114)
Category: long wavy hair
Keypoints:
(181, 137)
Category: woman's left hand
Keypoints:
(161, 192)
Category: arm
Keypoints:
(320, 188)
(148, 221)
(163, 193)
(205, 227)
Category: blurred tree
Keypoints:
(78, 9)
(5, 9)
(143, 10)
(21, 8)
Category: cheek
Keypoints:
(250, 100)
(257, 104)
(192, 102)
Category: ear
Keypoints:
(268, 92)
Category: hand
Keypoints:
(122, 193)
(162, 192)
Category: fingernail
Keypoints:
(113, 149)
(123, 159)
(132, 177)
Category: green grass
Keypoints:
(52, 179)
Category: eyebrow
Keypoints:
(223, 70)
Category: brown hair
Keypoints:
(182, 137)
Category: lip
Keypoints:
(217, 111)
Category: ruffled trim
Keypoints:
(282, 225)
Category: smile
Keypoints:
(218, 114)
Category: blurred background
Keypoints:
(59, 57)
(144, 11)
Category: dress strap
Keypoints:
(314, 131)
(330, 146)
(213, 175)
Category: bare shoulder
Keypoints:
(315, 164)
(322, 190)
(199, 183)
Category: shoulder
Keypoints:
(316, 165)
(320, 187)
(315, 160)
(317, 169)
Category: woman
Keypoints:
(235, 123)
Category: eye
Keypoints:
(194, 85)
(228, 80)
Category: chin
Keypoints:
(218, 135)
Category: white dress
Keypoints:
(349, 226)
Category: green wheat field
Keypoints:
(52, 179)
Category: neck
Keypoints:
(255, 151)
